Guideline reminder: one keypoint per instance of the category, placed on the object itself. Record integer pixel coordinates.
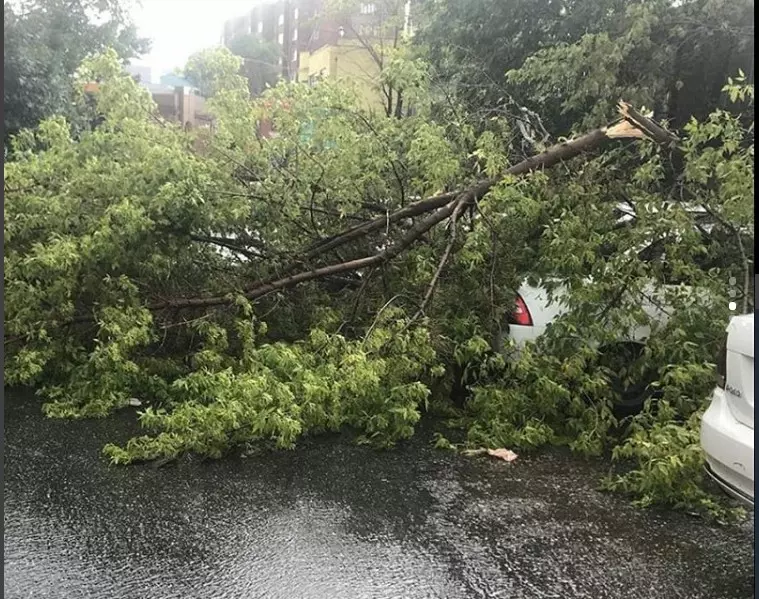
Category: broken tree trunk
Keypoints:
(627, 127)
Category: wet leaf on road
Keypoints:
(504, 454)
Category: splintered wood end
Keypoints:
(624, 129)
(624, 109)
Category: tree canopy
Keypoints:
(571, 61)
(260, 66)
(45, 41)
(344, 272)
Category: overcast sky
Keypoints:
(178, 28)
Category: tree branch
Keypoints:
(443, 259)
(438, 208)
(419, 229)
(646, 125)
(625, 128)
(222, 242)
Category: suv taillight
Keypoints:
(520, 315)
(722, 366)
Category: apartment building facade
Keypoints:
(277, 21)
(318, 44)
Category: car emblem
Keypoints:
(732, 391)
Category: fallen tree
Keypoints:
(214, 277)
(440, 207)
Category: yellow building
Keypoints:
(317, 42)
(347, 60)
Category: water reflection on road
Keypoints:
(330, 520)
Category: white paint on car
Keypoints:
(727, 426)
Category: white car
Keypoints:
(535, 309)
(727, 426)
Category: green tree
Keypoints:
(260, 66)
(571, 61)
(213, 69)
(45, 41)
(384, 35)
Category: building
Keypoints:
(315, 45)
(177, 100)
(180, 104)
(277, 21)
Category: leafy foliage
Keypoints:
(44, 43)
(214, 70)
(134, 214)
(570, 62)
(608, 278)
(282, 391)
(145, 261)
(669, 465)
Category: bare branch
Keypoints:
(443, 259)
(228, 244)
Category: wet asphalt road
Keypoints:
(330, 520)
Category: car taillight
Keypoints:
(722, 366)
(520, 315)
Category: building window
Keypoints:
(295, 34)
(295, 14)
(281, 19)
(260, 27)
(281, 39)
(294, 56)
(368, 9)
(315, 35)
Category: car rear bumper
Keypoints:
(735, 492)
(521, 334)
(729, 448)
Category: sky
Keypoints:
(180, 27)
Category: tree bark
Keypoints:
(399, 105)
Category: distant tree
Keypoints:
(380, 28)
(213, 69)
(259, 66)
(46, 41)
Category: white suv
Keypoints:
(727, 427)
